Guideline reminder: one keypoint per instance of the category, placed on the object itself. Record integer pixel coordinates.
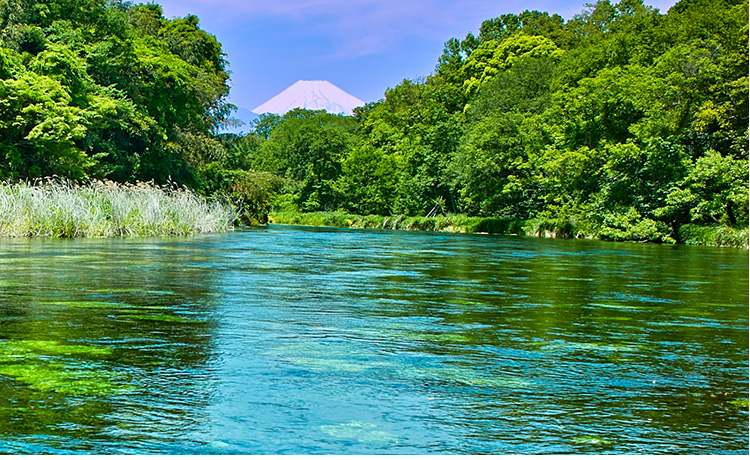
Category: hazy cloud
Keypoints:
(363, 27)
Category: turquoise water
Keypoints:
(285, 340)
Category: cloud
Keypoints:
(356, 28)
(363, 27)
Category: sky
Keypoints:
(361, 46)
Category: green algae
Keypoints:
(131, 291)
(11, 284)
(95, 304)
(559, 346)
(361, 431)
(463, 376)
(65, 380)
(439, 337)
(592, 440)
(162, 318)
(618, 306)
(406, 332)
(47, 365)
(14, 350)
(740, 403)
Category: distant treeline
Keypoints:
(622, 123)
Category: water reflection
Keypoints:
(315, 341)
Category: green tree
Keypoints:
(308, 147)
(101, 88)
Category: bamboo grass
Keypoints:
(60, 209)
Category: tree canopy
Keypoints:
(105, 89)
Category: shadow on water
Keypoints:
(317, 341)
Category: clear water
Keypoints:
(287, 340)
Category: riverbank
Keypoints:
(61, 209)
(458, 223)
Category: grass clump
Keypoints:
(61, 209)
(716, 235)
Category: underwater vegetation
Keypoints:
(69, 369)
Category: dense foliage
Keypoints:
(104, 89)
(622, 123)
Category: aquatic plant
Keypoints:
(591, 440)
(162, 318)
(66, 380)
(14, 350)
(70, 369)
(57, 208)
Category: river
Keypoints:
(292, 340)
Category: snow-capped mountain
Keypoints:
(311, 95)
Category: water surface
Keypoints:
(286, 340)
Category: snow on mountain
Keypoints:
(311, 95)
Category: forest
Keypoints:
(623, 123)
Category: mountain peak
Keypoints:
(311, 95)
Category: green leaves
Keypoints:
(492, 57)
(105, 89)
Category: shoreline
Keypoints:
(689, 234)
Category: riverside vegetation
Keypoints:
(99, 209)
(622, 123)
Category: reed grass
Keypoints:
(61, 209)
(714, 235)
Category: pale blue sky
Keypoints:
(361, 46)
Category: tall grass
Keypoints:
(717, 235)
(56, 208)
